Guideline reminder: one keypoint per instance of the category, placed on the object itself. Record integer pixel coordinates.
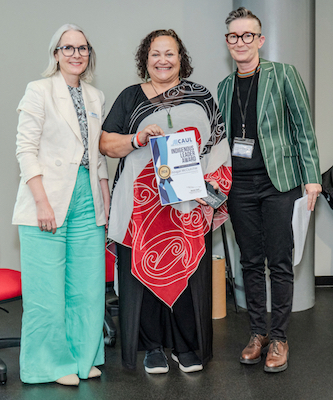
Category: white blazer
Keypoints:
(49, 143)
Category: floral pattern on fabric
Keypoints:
(76, 94)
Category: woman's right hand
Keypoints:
(149, 130)
(117, 145)
(45, 213)
(45, 216)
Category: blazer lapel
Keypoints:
(228, 95)
(265, 84)
(64, 103)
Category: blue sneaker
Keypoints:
(187, 362)
(155, 361)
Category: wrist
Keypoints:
(134, 142)
(41, 201)
(138, 140)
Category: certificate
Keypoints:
(300, 223)
(177, 167)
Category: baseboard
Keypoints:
(324, 280)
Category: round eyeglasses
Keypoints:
(247, 37)
(68, 51)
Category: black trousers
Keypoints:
(161, 326)
(157, 325)
(262, 220)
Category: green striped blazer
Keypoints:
(285, 131)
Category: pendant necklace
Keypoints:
(168, 111)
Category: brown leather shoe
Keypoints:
(252, 352)
(277, 356)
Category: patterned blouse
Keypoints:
(76, 94)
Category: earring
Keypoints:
(146, 76)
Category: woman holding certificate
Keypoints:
(164, 252)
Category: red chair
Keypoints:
(10, 289)
(111, 304)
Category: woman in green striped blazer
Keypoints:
(266, 111)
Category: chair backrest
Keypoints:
(10, 284)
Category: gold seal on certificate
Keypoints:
(164, 172)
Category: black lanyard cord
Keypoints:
(243, 114)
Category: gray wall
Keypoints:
(324, 129)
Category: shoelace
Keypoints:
(254, 336)
(275, 347)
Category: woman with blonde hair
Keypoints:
(61, 209)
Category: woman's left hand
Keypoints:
(107, 211)
(106, 199)
(312, 190)
(215, 186)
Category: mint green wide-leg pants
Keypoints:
(63, 291)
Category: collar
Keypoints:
(249, 73)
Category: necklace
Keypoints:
(249, 73)
(168, 111)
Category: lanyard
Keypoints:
(243, 114)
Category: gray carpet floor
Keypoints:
(308, 377)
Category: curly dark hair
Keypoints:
(141, 56)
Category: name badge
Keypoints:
(243, 147)
(91, 114)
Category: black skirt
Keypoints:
(146, 322)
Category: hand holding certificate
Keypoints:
(177, 167)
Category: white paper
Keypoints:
(300, 223)
(177, 167)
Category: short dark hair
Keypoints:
(141, 56)
(241, 12)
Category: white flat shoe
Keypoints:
(69, 380)
(94, 373)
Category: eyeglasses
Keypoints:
(68, 51)
(247, 37)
